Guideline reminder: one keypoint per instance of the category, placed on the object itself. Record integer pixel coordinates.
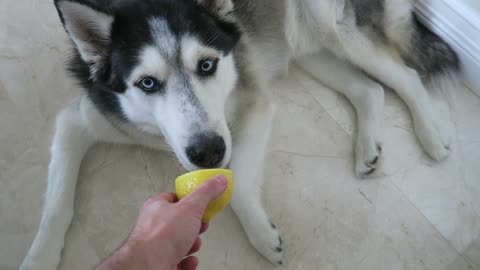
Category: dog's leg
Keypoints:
(406, 82)
(70, 143)
(74, 135)
(366, 96)
(249, 151)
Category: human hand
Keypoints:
(167, 230)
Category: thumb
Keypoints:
(198, 200)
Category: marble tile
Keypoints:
(448, 193)
(467, 111)
(473, 253)
(444, 199)
(302, 125)
(12, 249)
(461, 264)
(328, 215)
(20, 206)
(336, 105)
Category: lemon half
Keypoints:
(188, 182)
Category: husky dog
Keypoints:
(178, 74)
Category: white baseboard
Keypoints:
(458, 22)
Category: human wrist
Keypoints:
(138, 253)
(127, 257)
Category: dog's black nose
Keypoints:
(206, 150)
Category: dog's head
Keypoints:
(165, 66)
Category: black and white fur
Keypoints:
(123, 47)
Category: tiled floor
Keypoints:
(418, 215)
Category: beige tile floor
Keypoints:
(418, 215)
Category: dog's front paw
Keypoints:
(368, 158)
(266, 239)
(435, 139)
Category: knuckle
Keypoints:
(149, 202)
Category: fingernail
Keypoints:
(221, 179)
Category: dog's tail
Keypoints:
(433, 58)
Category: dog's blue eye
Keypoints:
(207, 67)
(148, 84)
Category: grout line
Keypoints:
(307, 155)
(450, 244)
(147, 170)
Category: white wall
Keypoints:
(473, 4)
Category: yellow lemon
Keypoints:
(188, 182)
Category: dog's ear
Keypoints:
(90, 30)
(221, 8)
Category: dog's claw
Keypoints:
(371, 171)
(373, 162)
